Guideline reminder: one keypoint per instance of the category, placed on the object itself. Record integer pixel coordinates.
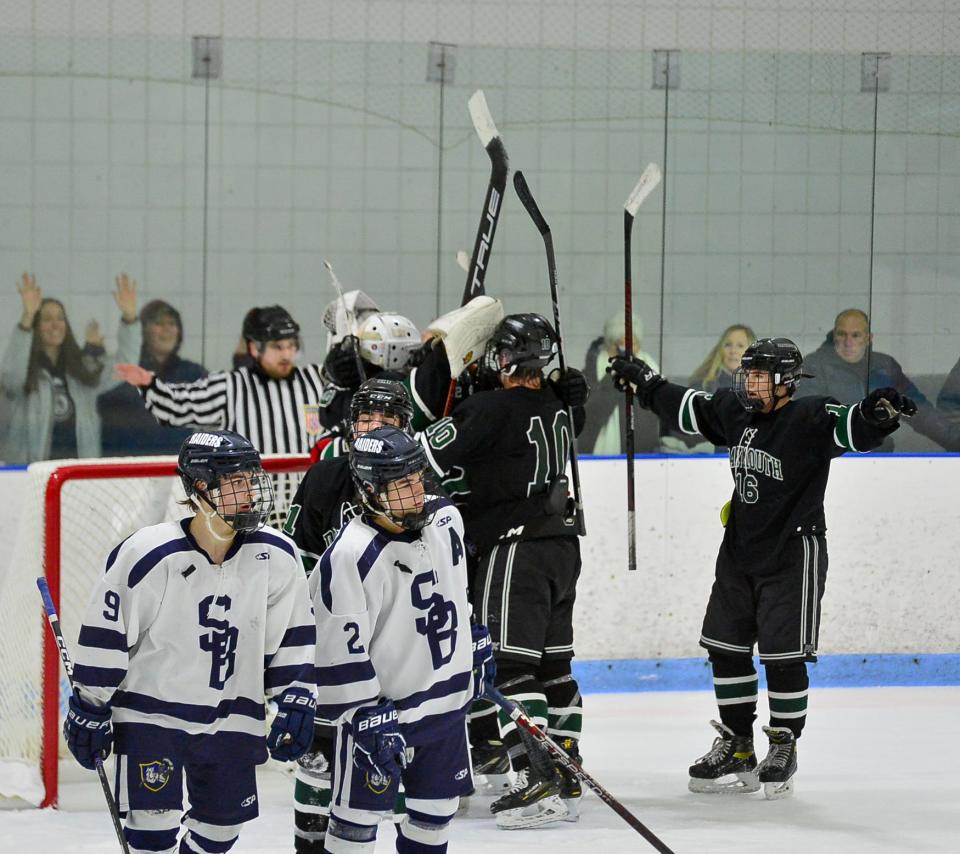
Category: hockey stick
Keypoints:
(351, 324)
(648, 181)
(526, 198)
(492, 205)
(560, 755)
(68, 667)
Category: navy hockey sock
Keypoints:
(735, 686)
(787, 688)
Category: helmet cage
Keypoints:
(249, 487)
(781, 362)
(387, 486)
(384, 396)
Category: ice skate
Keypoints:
(533, 800)
(730, 766)
(491, 768)
(780, 764)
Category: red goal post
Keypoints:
(75, 513)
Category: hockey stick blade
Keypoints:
(481, 118)
(54, 622)
(516, 713)
(527, 200)
(645, 186)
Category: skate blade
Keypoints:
(743, 783)
(492, 784)
(776, 791)
(542, 812)
(573, 809)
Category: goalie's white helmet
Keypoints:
(387, 340)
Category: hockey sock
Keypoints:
(311, 793)
(482, 722)
(516, 681)
(735, 686)
(787, 687)
(564, 703)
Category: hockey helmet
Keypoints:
(387, 340)
(391, 473)
(779, 358)
(381, 395)
(214, 457)
(521, 341)
(270, 323)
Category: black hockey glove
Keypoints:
(631, 373)
(342, 365)
(484, 666)
(87, 731)
(292, 729)
(570, 386)
(884, 405)
(378, 746)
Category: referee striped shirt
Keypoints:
(268, 412)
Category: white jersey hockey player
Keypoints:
(394, 659)
(193, 625)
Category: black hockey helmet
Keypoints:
(270, 323)
(382, 395)
(381, 458)
(780, 358)
(521, 341)
(214, 457)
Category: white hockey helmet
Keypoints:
(387, 340)
(342, 317)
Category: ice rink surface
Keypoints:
(877, 773)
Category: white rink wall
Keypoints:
(893, 537)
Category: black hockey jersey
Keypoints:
(324, 503)
(780, 462)
(500, 452)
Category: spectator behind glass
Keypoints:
(839, 369)
(128, 429)
(948, 400)
(52, 383)
(722, 361)
(715, 372)
(605, 431)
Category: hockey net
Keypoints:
(74, 514)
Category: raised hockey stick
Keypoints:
(526, 198)
(490, 215)
(351, 322)
(648, 181)
(560, 755)
(54, 621)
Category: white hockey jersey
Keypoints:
(173, 640)
(393, 622)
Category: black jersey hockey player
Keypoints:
(772, 564)
(325, 501)
(503, 453)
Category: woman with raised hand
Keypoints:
(52, 382)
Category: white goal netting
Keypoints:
(100, 503)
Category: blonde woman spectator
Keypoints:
(717, 370)
(52, 383)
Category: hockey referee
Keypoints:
(264, 402)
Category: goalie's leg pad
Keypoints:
(427, 827)
(152, 831)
